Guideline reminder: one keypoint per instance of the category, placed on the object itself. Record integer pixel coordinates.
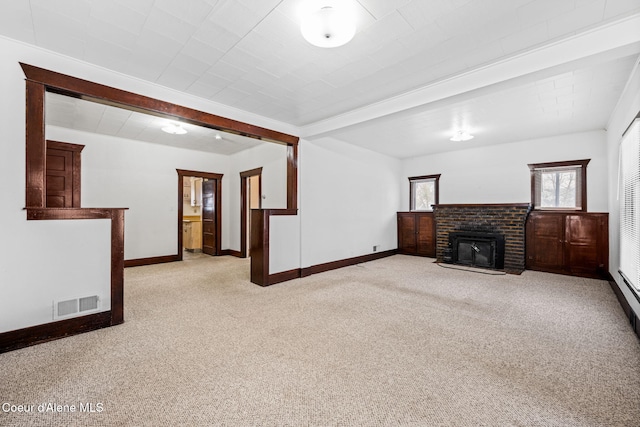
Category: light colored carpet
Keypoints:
(398, 341)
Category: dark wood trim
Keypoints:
(320, 268)
(634, 320)
(567, 163)
(296, 273)
(292, 177)
(35, 145)
(76, 149)
(20, 338)
(198, 174)
(244, 205)
(284, 276)
(435, 178)
(40, 80)
(260, 220)
(138, 262)
(260, 246)
(117, 266)
(626, 282)
(71, 213)
(252, 172)
(478, 205)
(231, 252)
(73, 86)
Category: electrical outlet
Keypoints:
(375, 248)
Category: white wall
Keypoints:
(44, 260)
(348, 202)
(499, 173)
(272, 158)
(141, 176)
(627, 108)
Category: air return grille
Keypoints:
(75, 306)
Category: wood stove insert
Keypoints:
(477, 249)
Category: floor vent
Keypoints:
(75, 307)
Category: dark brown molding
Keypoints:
(260, 219)
(634, 320)
(20, 338)
(67, 146)
(138, 262)
(244, 205)
(327, 266)
(35, 145)
(480, 205)
(75, 87)
(292, 177)
(231, 252)
(217, 177)
(252, 172)
(40, 80)
(284, 276)
(71, 213)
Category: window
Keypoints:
(559, 185)
(629, 197)
(423, 192)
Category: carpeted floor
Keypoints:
(398, 341)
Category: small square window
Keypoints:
(559, 185)
(423, 192)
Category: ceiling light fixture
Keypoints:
(174, 129)
(218, 137)
(329, 23)
(461, 136)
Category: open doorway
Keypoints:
(250, 198)
(191, 214)
(199, 212)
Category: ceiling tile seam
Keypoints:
(240, 40)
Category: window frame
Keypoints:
(436, 190)
(579, 165)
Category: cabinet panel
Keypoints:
(407, 233)
(416, 233)
(584, 243)
(568, 243)
(425, 236)
(545, 246)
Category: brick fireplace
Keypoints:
(499, 219)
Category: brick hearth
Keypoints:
(507, 219)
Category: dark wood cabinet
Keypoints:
(417, 233)
(568, 243)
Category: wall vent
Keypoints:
(75, 307)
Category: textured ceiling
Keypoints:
(249, 54)
(73, 113)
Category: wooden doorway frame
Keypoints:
(38, 82)
(217, 177)
(244, 206)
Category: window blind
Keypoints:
(630, 204)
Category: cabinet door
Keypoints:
(584, 245)
(545, 242)
(425, 241)
(407, 233)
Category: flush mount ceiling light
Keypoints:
(218, 137)
(174, 129)
(328, 23)
(461, 136)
